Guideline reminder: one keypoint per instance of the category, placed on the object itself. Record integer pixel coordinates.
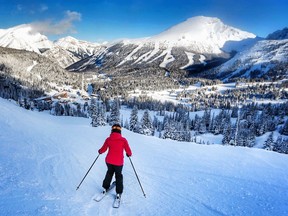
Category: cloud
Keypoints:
(57, 28)
(43, 8)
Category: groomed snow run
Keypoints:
(43, 159)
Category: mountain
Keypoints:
(266, 59)
(43, 159)
(278, 35)
(23, 37)
(31, 75)
(198, 40)
(69, 50)
(65, 51)
(79, 47)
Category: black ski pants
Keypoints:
(118, 175)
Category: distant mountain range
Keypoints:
(195, 41)
(198, 46)
(64, 51)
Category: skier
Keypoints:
(116, 144)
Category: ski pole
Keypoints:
(137, 177)
(88, 171)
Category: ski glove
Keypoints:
(128, 155)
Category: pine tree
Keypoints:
(115, 113)
(169, 128)
(234, 113)
(146, 124)
(284, 129)
(97, 112)
(278, 144)
(269, 143)
(197, 123)
(227, 134)
(134, 125)
(206, 118)
(285, 146)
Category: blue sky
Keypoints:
(100, 20)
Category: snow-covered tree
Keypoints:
(169, 128)
(269, 143)
(146, 124)
(115, 113)
(97, 112)
(134, 124)
(284, 129)
(227, 135)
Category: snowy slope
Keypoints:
(65, 51)
(77, 46)
(262, 57)
(69, 50)
(202, 34)
(24, 38)
(43, 158)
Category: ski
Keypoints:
(99, 197)
(117, 201)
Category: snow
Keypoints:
(259, 56)
(43, 159)
(190, 57)
(167, 59)
(24, 37)
(206, 34)
(129, 57)
(31, 67)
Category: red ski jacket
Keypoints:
(116, 144)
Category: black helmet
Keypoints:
(116, 128)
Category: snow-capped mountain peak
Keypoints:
(24, 37)
(194, 41)
(73, 45)
(65, 51)
(208, 33)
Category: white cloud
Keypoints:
(57, 28)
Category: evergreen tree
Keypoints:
(134, 125)
(146, 124)
(284, 148)
(169, 128)
(206, 118)
(278, 144)
(284, 129)
(197, 123)
(269, 143)
(234, 113)
(115, 113)
(97, 110)
(227, 134)
(261, 125)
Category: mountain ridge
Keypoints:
(198, 46)
(191, 42)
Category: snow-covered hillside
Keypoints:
(69, 50)
(23, 37)
(257, 61)
(64, 51)
(201, 34)
(190, 42)
(43, 158)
